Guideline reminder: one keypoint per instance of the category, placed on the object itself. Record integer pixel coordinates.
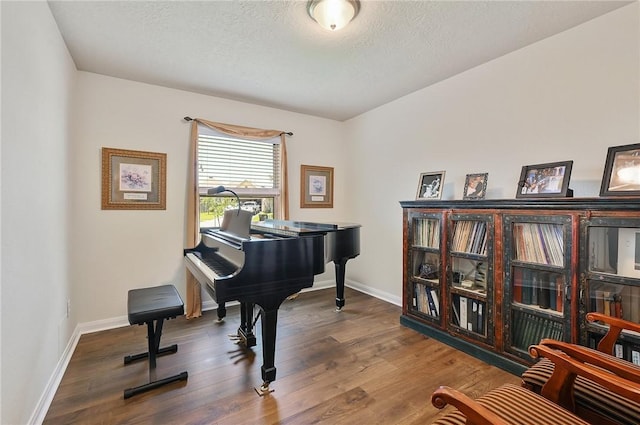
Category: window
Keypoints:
(251, 168)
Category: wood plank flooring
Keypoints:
(358, 366)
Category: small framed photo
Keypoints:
(545, 180)
(622, 171)
(475, 186)
(133, 180)
(430, 186)
(316, 187)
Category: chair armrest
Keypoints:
(559, 387)
(475, 413)
(616, 326)
(612, 364)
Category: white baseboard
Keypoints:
(38, 415)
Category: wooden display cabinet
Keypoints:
(525, 269)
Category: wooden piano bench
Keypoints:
(151, 306)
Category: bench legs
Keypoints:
(154, 332)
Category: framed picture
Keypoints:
(622, 171)
(133, 180)
(545, 180)
(430, 186)
(475, 186)
(316, 187)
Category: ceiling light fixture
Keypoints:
(333, 14)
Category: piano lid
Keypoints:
(235, 227)
(299, 227)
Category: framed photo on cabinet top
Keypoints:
(622, 171)
(316, 186)
(133, 180)
(475, 186)
(430, 186)
(545, 180)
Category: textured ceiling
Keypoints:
(272, 53)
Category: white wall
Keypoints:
(568, 97)
(116, 250)
(37, 82)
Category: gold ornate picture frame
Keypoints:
(133, 180)
(316, 186)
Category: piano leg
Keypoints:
(245, 331)
(222, 312)
(341, 267)
(269, 322)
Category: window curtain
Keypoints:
(194, 300)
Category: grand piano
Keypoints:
(263, 264)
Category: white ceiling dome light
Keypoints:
(333, 14)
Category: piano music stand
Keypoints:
(151, 306)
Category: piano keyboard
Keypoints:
(213, 266)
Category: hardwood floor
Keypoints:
(358, 366)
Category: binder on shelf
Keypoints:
(432, 297)
(463, 312)
(559, 294)
(544, 293)
(456, 314)
(480, 322)
(517, 284)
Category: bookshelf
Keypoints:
(470, 276)
(611, 280)
(537, 279)
(510, 272)
(425, 266)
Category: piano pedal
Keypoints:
(264, 389)
(294, 296)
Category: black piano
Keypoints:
(341, 243)
(263, 265)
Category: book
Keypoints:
(463, 312)
(517, 284)
(432, 298)
(544, 293)
(473, 322)
(454, 307)
(480, 323)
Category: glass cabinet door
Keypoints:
(470, 276)
(537, 277)
(612, 281)
(425, 266)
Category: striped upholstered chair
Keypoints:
(592, 401)
(514, 405)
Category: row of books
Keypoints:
(426, 232)
(539, 243)
(425, 300)
(470, 236)
(621, 301)
(529, 329)
(535, 287)
(622, 349)
(468, 314)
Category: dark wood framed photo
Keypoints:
(545, 180)
(133, 180)
(475, 186)
(430, 186)
(316, 186)
(622, 171)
